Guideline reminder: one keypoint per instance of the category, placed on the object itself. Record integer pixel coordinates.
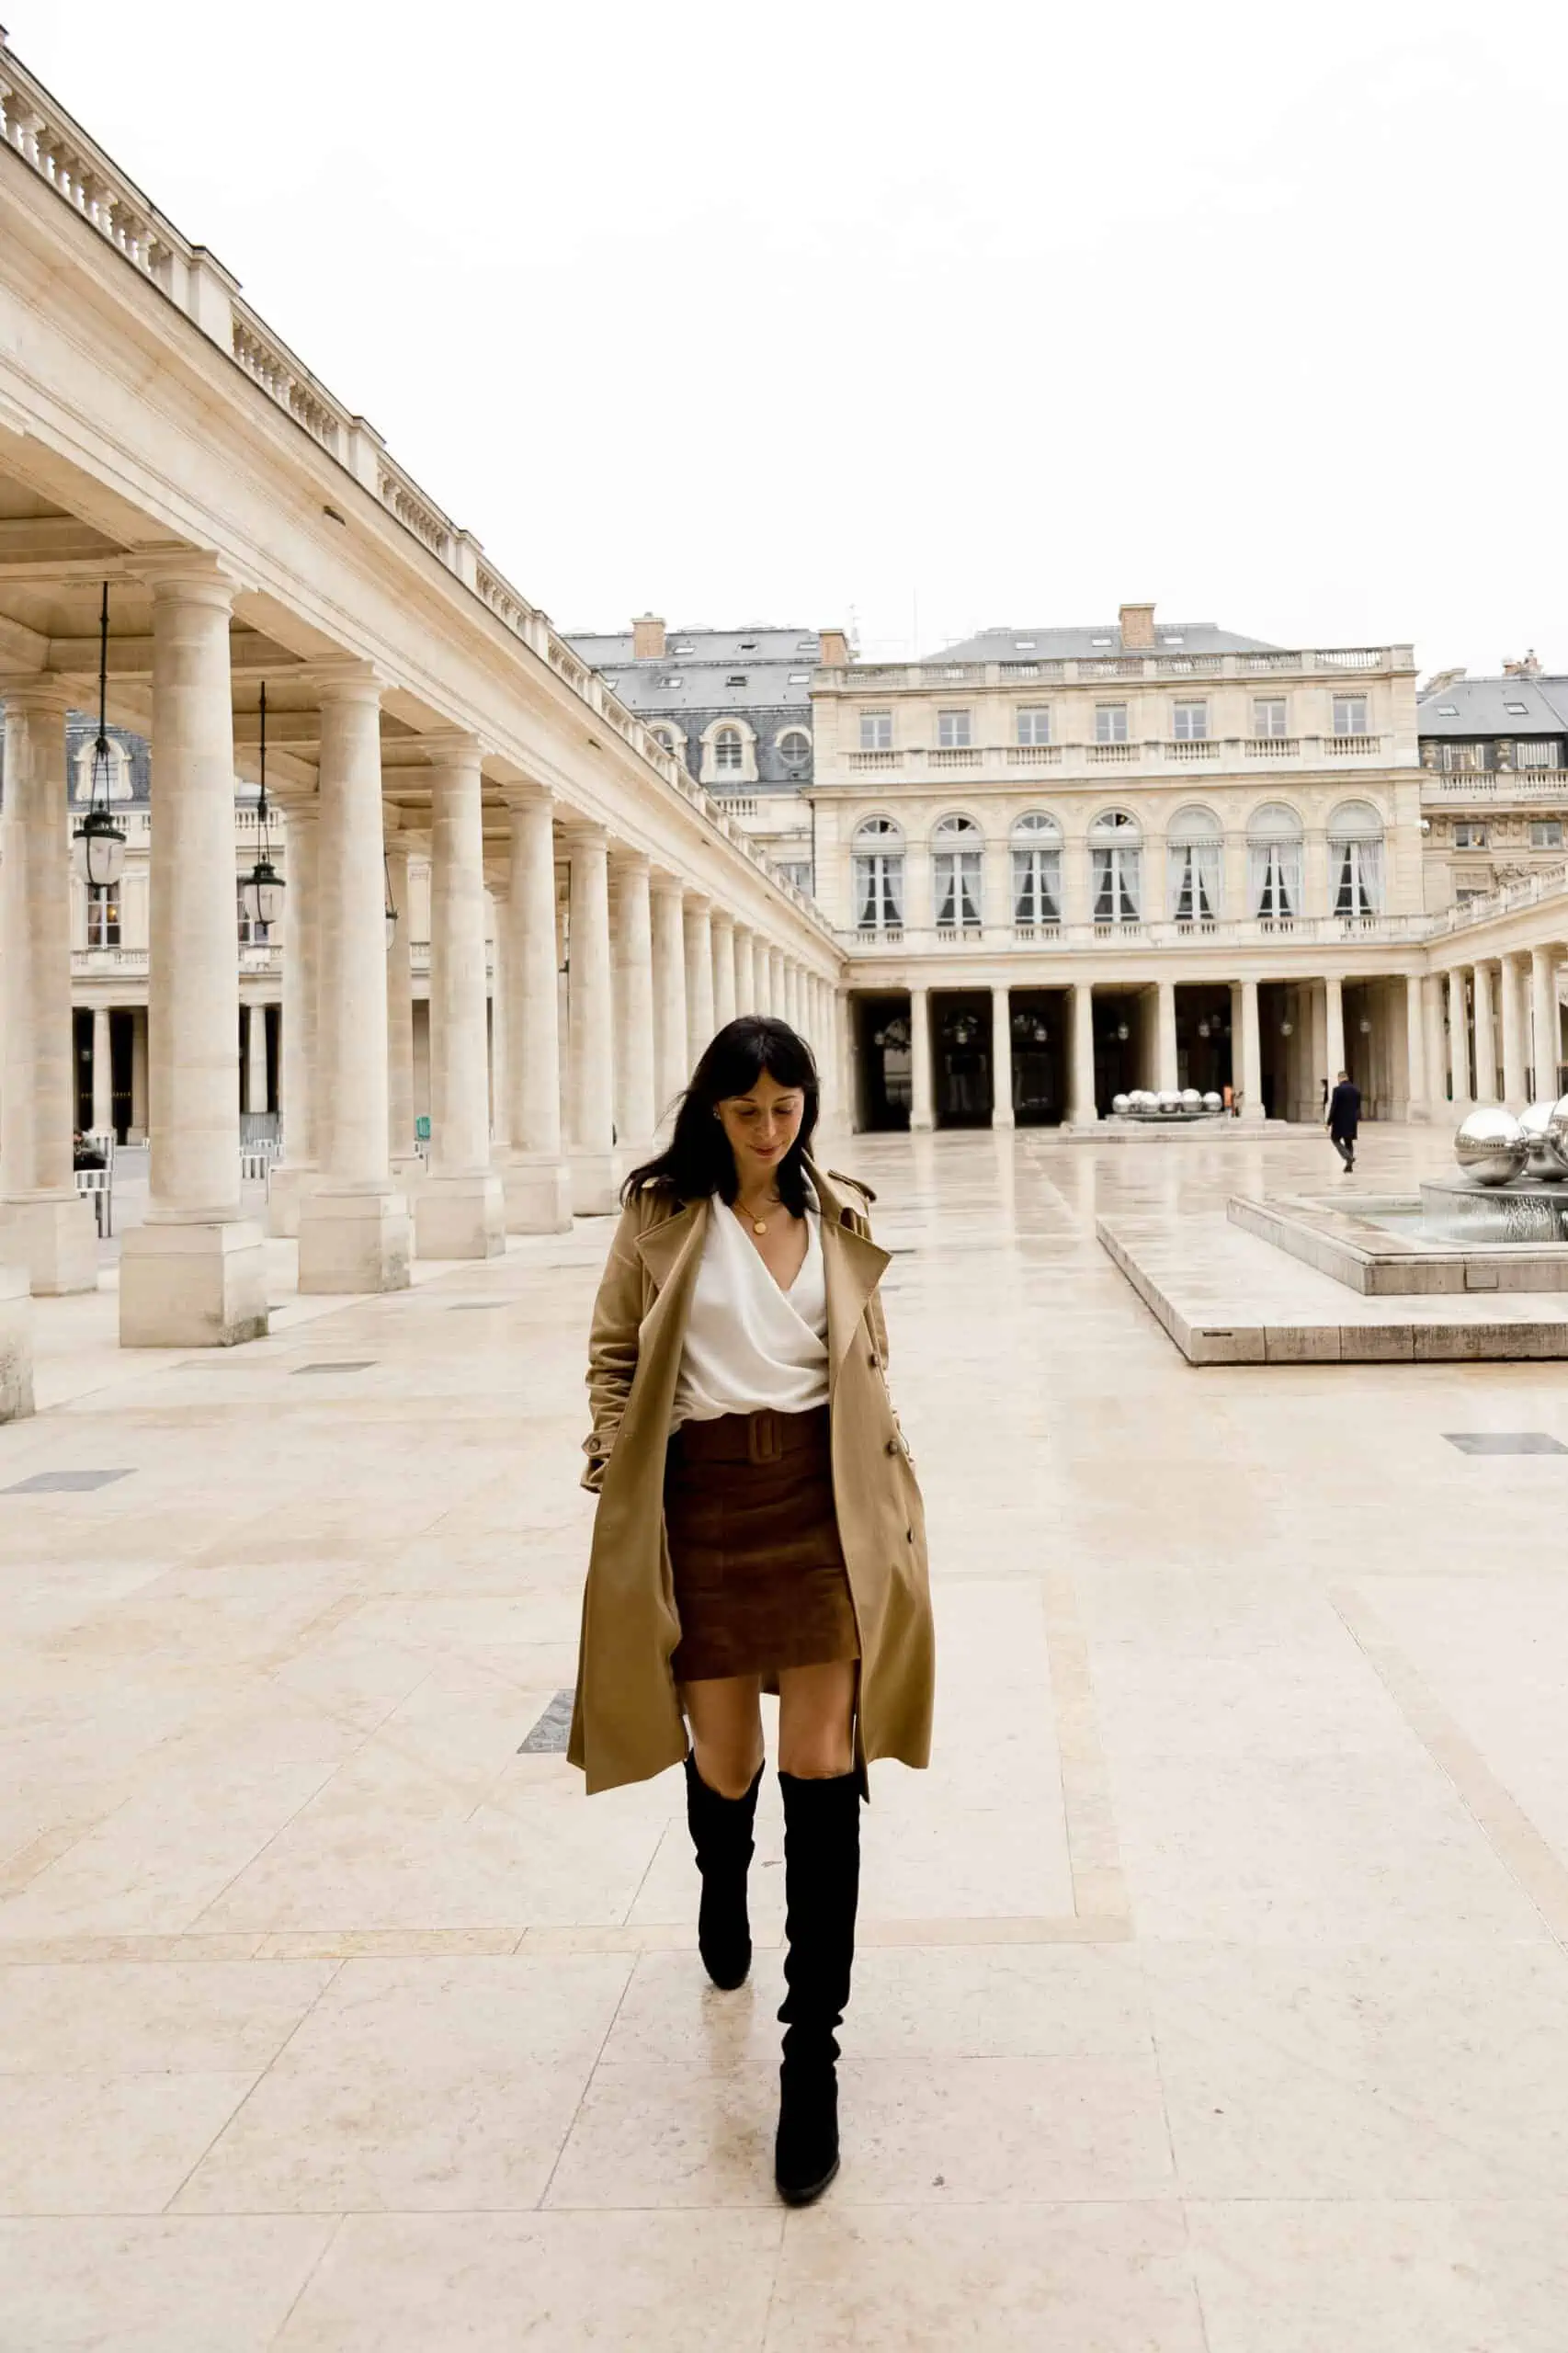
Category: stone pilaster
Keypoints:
(354, 1223)
(44, 1227)
(535, 1180)
(458, 1209)
(194, 1274)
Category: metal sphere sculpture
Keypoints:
(1541, 1160)
(1213, 1103)
(1120, 1104)
(1169, 1099)
(1192, 1100)
(1557, 1135)
(1491, 1146)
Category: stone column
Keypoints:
(745, 969)
(1416, 1105)
(500, 1051)
(1252, 1057)
(1458, 1036)
(775, 999)
(1515, 1073)
(45, 1227)
(794, 996)
(1544, 1023)
(1486, 1091)
(1334, 1033)
(297, 1171)
(590, 1032)
(256, 1059)
(670, 1065)
(1166, 1066)
(921, 1117)
(535, 1180)
(1437, 1043)
(355, 1230)
(698, 978)
(194, 1273)
(139, 1074)
(636, 1114)
(458, 1211)
(724, 1005)
(1084, 1111)
(1002, 1056)
(405, 1164)
(102, 1071)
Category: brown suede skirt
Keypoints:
(760, 1576)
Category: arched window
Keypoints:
(955, 874)
(1036, 869)
(1274, 863)
(729, 752)
(879, 876)
(1195, 866)
(117, 774)
(1116, 852)
(665, 738)
(795, 748)
(1355, 858)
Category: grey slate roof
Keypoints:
(1479, 708)
(775, 666)
(1095, 637)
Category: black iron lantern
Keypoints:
(261, 894)
(391, 902)
(97, 846)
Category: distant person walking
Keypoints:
(1344, 1118)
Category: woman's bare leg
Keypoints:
(816, 1715)
(725, 1717)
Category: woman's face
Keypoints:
(761, 1125)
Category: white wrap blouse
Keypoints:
(750, 1345)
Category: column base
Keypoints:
(56, 1240)
(538, 1191)
(289, 1183)
(922, 1127)
(459, 1217)
(1002, 1119)
(193, 1286)
(1077, 1121)
(15, 1344)
(594, 1183)
(354, 1242)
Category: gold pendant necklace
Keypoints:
(760, 1224)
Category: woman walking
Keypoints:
(759, 1528)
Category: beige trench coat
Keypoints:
(626, 1723)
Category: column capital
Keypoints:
(188, 574)
(347, 683)
(666, 885)
(698, 902)
(453, 747)
(27, 691)
(724, 920)
(626, 860)
(585, 833)
(521, 792)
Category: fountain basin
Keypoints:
(1452, 1236)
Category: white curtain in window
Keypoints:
(1196, 880)
(957, 875)
(1119, 896)
(1037, 886)
(1358, 868)
(878, 889)
(1273, 879)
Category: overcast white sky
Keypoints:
(919, 318)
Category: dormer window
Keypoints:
(748, 645)
(1023, 645)
(1518, 710)
(736, 678)
(800, 678)
(1447, 711)
(675, 681)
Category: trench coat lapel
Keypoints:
(852, 1267)
(663, 1246)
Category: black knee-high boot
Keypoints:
(722, 1833)
(821, 1888)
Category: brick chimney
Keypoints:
(648, 639)
(835, 648)
(1138, 628)
(1529, 669)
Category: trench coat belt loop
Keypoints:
(764, 1436)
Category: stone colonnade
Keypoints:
(1495, 1027)
(519, 1139)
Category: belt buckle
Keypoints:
(766, 1438)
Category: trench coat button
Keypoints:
(909, 1535)
(892, 1446)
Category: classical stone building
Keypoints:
(736, 705)
(1495, 787)
(1068, 862)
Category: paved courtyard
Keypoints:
(1212, 1996)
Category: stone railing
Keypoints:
(35, 127)
(1155, 759)
(1495, 784)
(1138, 938)
(1548, 882)
(936, 678)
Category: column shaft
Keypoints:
(1002, 1056)
(102, 1071)
(1084, 1110)
(636, 1117)
(43, 1226)
(1459, 1036)
(400, 1018)
(670, 1067)
(1167, 1066)
(500, 1047)
(1333, 1035)
(724, 1006)
(536, 1180)
(458, 1210)
(745, 969)
(1252, 1057)
(1516, 1082)
(698, 979)
(1417, 1105)
(296, 1171)
(257, 1102)
(1544, 1023)
(921, 1117)
(353, 1227)
(590, 1074)
(1486, 1089)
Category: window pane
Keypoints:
(1034, 725)
(876, 731)
(952, 730)
(1349, 714)
(1111, 722)
(1191, 721)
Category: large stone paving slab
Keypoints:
(1211, 1996)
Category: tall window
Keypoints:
(1269, 717)
(1111, 722)
(1189, 721)
(1117, 863)
(1470, 835)
(103, 916)
(1034, 725)
(1274, 863)
(729, 753)
(1196, 864)
(1036, 869)
(1349, 714)
(876, 731)
(952, 730)
(955, 874)
(1546, 833)
(1355, 859)
(879, 876)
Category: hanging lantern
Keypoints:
(391, 902)
(1286, 1027)
(1365, 1027)
(1203, 1028)
(97, 846)
(1123, 1033)
(261, 894)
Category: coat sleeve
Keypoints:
(612, 1343)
